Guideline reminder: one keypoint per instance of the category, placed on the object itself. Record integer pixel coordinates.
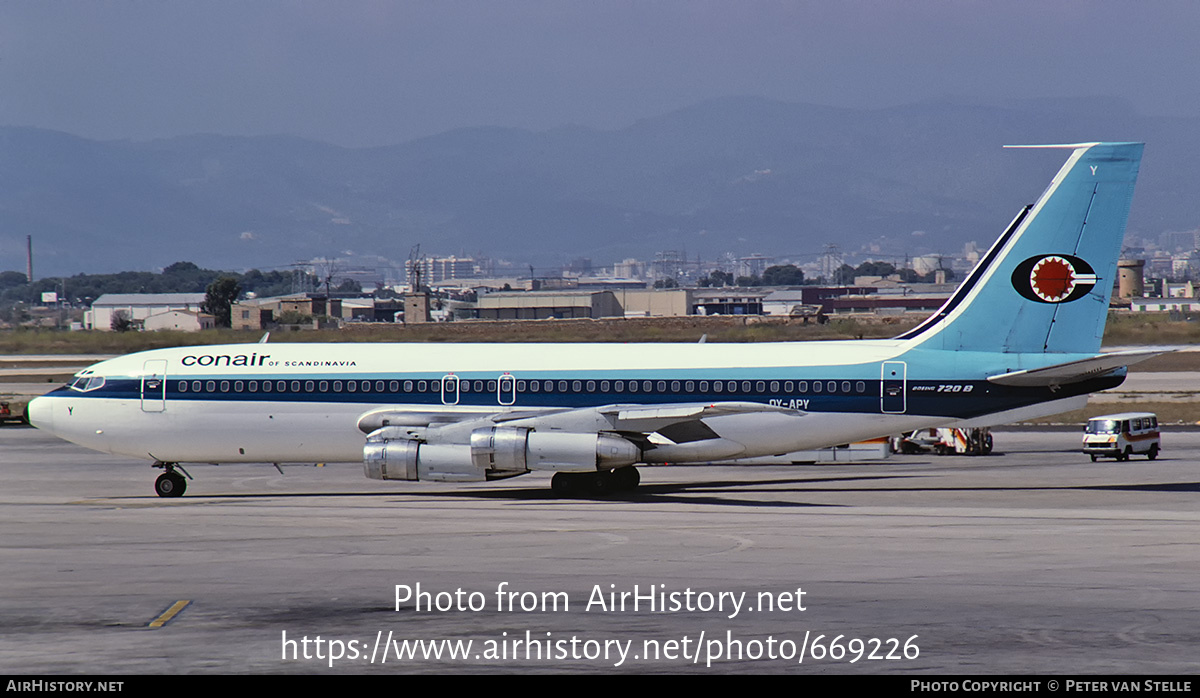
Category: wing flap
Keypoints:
(655, 417)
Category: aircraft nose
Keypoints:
(40, 413)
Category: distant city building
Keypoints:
(435, 270)
(1160, 305)
(754, 265)
(728, 301)
(179, 320)
(630, 269)
(1177, 289)
(1130, 283)
(1178, 241)
(137, 307)
(540, 305)
(265, 313)
(674, 302)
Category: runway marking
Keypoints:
(168, 614)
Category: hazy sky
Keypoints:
(372, 72)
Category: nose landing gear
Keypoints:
(170, 483)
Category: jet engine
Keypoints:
(493, 453)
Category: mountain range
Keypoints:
(734, 175)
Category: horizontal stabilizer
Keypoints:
(1073, 371)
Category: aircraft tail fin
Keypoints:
(1045, 284)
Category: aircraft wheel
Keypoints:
(563, 485)
(626, 478)
(1153, 452)
(599, 483)
(170, 484)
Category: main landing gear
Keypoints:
(170, 483)
(599, 483)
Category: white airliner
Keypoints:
(1019, 338)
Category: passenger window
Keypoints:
(619, 386)
(237, 386)
(337, 386)
(759, 386)
(674, 386)
(352, 386)
(788, 386)
(323, 386)
(845, 386)
(704, 386)
(295, 386)
(774, 386)
(591, 386)
(802, 386)
(253, 386)
(196, 386)
(718, 386)
(266, 386)
(647, 386)
(690, 386)
(562, 386)
(210, 386)
(491, 386)
(534, 386)
(576, 386)
(379, 386)
(183, 386)
(280, 386)
(860, 387)
(604, 386)
(661, 386)
(224, 386)
(308, 386)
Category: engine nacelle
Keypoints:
(390, 455)
(518, 450)
(494, 452)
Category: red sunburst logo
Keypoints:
(1053, 279)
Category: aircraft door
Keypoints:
(506, 390)
(450, 389)
(892, 387)
(154, 385)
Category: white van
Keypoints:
(1122, 435)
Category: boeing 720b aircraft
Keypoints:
(1019, 338)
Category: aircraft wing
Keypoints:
(1074, 371)
(649, 418)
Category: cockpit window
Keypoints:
(86, 384)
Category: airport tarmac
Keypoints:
(1031, 561)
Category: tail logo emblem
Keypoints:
(1053, 278)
